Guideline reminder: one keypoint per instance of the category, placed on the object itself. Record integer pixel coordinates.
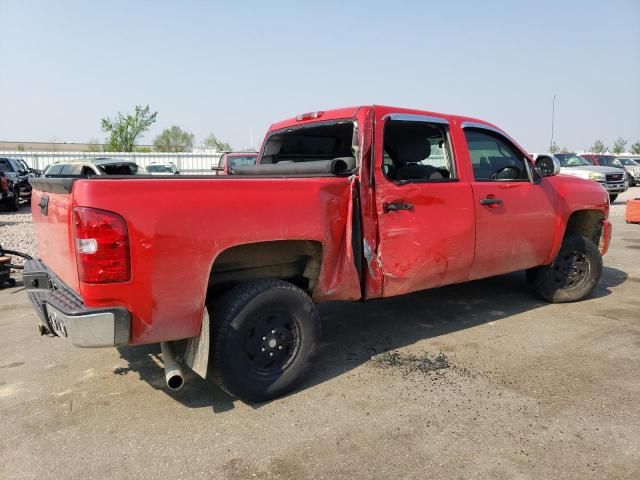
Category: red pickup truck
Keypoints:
(350, 204)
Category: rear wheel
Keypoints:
(612, 197)
(573, 274)
(266, 333)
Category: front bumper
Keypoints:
(615, 187)
(62, 313)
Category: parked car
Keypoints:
(9, 193)
(90, 167)
(234, 159)
(342, 205)
(162, 169)
(611, 178)
(17, 174)
(632, 167)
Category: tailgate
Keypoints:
(51, 211)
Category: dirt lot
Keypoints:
(473, 381)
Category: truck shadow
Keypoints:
(355, 331)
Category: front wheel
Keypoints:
(265, 334)
(573, 274)
(612, 197)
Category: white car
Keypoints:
(162, 169)
(614, 180)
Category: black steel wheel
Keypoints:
(272, 343)
(573, 274)
(571, 269)
(265, 334)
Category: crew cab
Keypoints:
(350, 204)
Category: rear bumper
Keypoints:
(62, 313)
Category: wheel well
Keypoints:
(587, 223)
(297, 261)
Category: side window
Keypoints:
(416, 151)
(494, 158)
(54, 170)
(71, 169)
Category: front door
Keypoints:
(515, 217)
(425, 212)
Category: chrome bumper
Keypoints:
(62, 313)
(616, 187)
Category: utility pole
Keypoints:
(553, 115)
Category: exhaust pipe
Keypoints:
(172, 371)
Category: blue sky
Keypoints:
(234, 67)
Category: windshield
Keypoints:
(607, 160)
(23, 165)
(159, 169)
(571, 160)
(629, 162)
(242, 161)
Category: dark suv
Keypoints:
(15, 186)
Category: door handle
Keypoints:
(490, 201)
(395, 206)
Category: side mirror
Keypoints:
(548, 165)
(177, 172)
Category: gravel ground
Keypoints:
(16, 231)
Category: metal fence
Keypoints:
(187, 163)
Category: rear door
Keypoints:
(515, 213)
(424, 207)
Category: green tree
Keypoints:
(598, 147)
(124, 131)
(174, 139)
(619, 145)
(20, 147)
(564, 149)
(213, 142)
(635, 148)
(553, 148)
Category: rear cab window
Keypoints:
(312, 142)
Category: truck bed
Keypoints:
(177, 228)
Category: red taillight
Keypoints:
(3, 184)
(102, 246)
(309, 116)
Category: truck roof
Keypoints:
(351, 112)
